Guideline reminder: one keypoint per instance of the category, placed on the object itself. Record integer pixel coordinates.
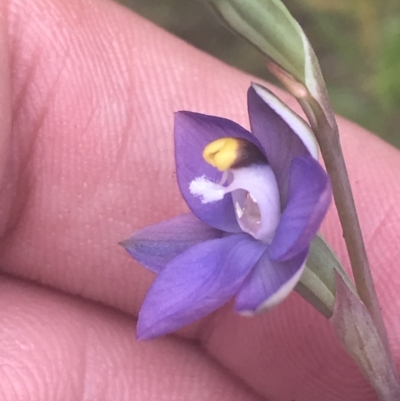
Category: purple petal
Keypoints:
(308, 201)
(295, 122)
(278, 140)
(193, 132)
(269, 284)
(196, 283)
(156, 245)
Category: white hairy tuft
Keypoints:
(207, 190)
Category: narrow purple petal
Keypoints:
(295, 122)
(196, 283)
(269, 284)
(193, 132)
(279, 142)
(156, 245)
(308, 201)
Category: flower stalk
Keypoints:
(327, 135)
(328, 139)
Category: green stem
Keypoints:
(329, 142)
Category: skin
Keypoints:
(87, 98)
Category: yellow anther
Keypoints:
(222, 153)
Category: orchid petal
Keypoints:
(269, 284)
(295, 122)
(193, 132)
(156, 245)
(196, 283)
(279, 141)
(308, 201)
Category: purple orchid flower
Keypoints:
(251, 225)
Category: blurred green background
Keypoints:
(356, 41)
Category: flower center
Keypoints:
(249, 179)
